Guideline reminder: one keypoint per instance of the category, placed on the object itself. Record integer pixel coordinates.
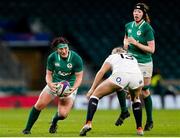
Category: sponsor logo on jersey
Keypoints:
(57, 64)
(138, 32)
(64, 73)
(69, 65)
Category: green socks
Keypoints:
(122, 100)
(34, 114)
(147, 102)
(148, 108)
(55, 118)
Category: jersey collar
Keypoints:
(139, 25)
(68, 59)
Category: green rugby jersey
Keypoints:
(64, 69)
(142, 33)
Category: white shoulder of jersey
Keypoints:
(110, 57)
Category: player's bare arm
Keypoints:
(150, 48)
(49, 81)
(77, 83)
(98, 78)
(126, 43)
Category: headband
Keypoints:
(141, 7)
(61, 45)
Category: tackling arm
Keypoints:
(98, 78)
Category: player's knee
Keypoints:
(136, 99)
(63, 116)
(40, 106)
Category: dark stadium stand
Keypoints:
(11, 73)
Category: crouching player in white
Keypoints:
(125, 73)
(62, 65)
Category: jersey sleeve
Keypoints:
(126, 33)
(127, 26)
(108, 59)
(50, 65)
(79, 64)
(149, 35)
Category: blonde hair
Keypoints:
(118, 50)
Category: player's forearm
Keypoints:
(78, 80)
(77, 83)
(125, 47)
(48, 77)
(145, 48)
(125, 42)
(97, 79)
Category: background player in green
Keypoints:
(62, 64)
(139, 41)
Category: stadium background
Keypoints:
(93, 28)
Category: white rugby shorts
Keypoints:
(123, 79)
(146, 69)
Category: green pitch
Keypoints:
(12, 122)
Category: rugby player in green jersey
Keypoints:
(62, 65)
(139, 41)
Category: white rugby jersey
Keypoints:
(123, 63)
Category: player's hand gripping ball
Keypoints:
(62, 88)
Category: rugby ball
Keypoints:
(62, 87)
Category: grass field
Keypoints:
(12, 121)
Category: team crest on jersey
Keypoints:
(129, 30)
(138, 32)
(69, 65)
(57, 64)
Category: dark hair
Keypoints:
(58, 40)
(144, 8)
